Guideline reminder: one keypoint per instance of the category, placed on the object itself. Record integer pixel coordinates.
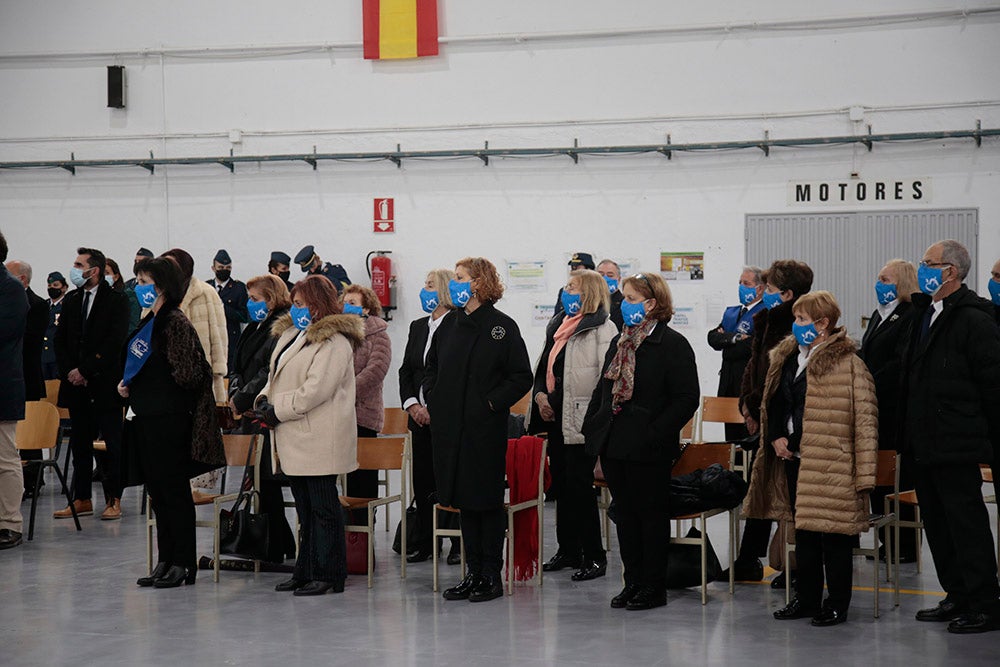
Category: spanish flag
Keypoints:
(400, 28)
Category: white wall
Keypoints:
(921, 76)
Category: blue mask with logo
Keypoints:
(460, 292)
(805, 334)
(300, 317)
(633, 313)
(257, 310)
(994, 288)
(930, 279)
(886, 293)
(772, 299)
(571, 303)
(351, 309)
(747, 295)
(612, 284)
(428, 300)
(146, 295)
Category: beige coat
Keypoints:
(839, 445)
(204, 308)
(311, 388)
(583, 359)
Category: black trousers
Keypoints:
(162, 449)
(424, 489)
(756, 532)
(483, 532)
(816, 553)
(87, 423)
(957, 525)
(578, 525)
(323, 546)
(642, 502)
(363, 483)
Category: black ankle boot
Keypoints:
(175, 576)
(158, 571)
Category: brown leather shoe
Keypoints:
(83, 508)
(113, 511)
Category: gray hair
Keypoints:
(956, 254)
(756, 271)
(20, 268)
(613, 263)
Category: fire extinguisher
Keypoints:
(383, 282)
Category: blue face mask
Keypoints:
(76, 276)
(886, 293)
(633, 313)
(300, 317)
(805, 334)
(257, 310)
(772, 299)
(994, 288)
(747, 295)
(428, 300)
(351, 309)
(930, 279)
(571, 303)
(460, 292)
(146, 295)
(110, 280)
(612, 284)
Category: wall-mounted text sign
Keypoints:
(856, 191)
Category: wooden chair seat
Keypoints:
(908, 498)
(352, 503)
(100, 446)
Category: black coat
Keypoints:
(13, 313)
(411, 370)
(34, 342)
(234, 302)
(49, 342)
(770, 326)
(251, 360)
(477, 368)
(951, 382)
(96, 353)
(882, 351)
(664, 397)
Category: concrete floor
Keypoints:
(70, 598)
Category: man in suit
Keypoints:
(233, 294)
(34, 340)
(57, 290)
(89, 341)
(310, 263)
(951, 424)
(612, 275)
(13, 313)
(278, 266)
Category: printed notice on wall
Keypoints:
(541, 314)
(682, 265)
(684, 319)
(527, 276)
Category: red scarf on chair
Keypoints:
(522, 476)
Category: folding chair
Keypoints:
(886, 474)
(52, 396)
(395, 422)
(523, 406)
(385, 453)
(698, 456)
(39, 430)
(724, 410)
(238, 450)
(437, 532)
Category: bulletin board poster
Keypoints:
(526, 276)
(682, 265)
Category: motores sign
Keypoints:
(860, 191)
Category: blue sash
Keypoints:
(138, 352)
(733, 323)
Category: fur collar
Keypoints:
(823, 358)
(350, 326)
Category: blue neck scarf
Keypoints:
(138, 352)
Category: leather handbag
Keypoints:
(412, 530)
(242, 532)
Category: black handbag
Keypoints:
(243, 533)
(412, 530)
(684, 563)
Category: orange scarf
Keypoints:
(561, 337)
(522, 476)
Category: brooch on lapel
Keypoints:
(498, 333)
(893, 317)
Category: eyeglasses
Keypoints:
(925, 264)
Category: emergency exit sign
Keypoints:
(384, 216)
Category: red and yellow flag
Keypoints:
(400, 28)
